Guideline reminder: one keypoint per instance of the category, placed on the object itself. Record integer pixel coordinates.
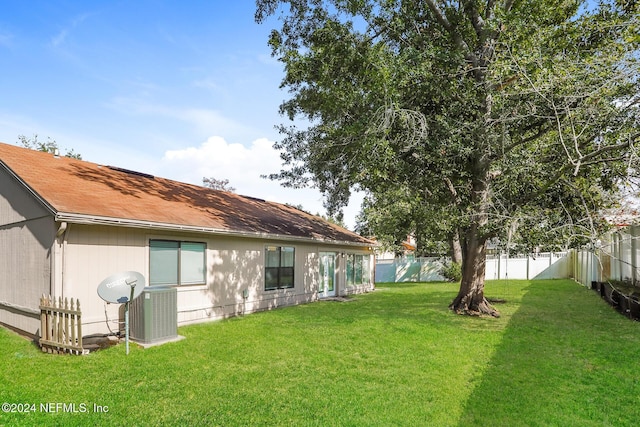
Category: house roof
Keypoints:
(84, 192)
(408, 246)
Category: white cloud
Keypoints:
(243, 167)
(216, 157)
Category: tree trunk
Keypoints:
(470, 299)
(456, 248)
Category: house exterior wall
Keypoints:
(235, 268)
(27, 235)
(90, 254)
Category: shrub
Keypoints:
(452, 271)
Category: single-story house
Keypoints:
(67, 224)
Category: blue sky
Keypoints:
(179, 89)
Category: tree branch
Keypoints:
(587, 158)
(454, 194)
(508, 4)
(541, 131)
(439, 15)
(457, 38)
(488, 12)
(472, 13)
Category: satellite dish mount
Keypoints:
(122, 288)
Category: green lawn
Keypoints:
(558, 356)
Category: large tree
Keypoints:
(498, 113)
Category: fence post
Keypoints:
(632, 255)
(79, 320)
(43, 318)
(67, 332)
(59, 314)
(73, 325)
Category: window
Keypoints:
(176, 263)
(279, 266)
(357, 269)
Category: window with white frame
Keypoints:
(358, 269)
(279, 267)
(174, 262)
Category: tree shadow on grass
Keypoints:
(560, 362)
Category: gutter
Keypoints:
(94, 220)
(61, 239)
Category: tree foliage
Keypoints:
(393, 215)
(50, 146)
(505, 118)
(217, 184)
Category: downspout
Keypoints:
(61, 240)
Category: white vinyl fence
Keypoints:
(535, 266)
(409, 270)
(547, 265)
(616, 257)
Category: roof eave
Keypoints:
(75, 218)
(40, 199)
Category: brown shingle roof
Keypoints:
(79, 188)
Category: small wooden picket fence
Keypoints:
(60, 326)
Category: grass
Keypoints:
(557, 356)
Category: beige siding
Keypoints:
(235, 268)
(27, 233)
(234, 279)
(91, 254)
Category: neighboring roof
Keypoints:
(408, 247)
(80, 191)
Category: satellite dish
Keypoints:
(117, 288)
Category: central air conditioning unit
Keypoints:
(154, 315)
